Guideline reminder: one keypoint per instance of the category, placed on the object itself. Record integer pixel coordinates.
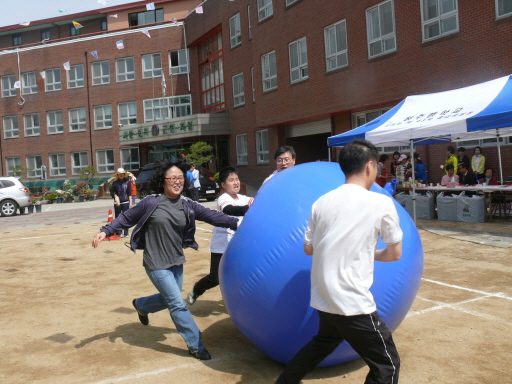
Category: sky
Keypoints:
(14, 12)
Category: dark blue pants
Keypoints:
(120, 209)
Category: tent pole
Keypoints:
(499, 158)
(413, 183)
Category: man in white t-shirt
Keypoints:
(342, 236)
(285, 158)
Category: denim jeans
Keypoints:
(169, 282)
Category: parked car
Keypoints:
(13, 195)
(209, 189)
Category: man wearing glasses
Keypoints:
(285, 158)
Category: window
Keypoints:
(12, 162)
(11, 129)
(362, 118)
(503, 8)
(269, 71)
(125, 69)
(241, 149)
(130, 159)
(148, 17)
(73, 31)
(152, 65)
(167, 108)
(100, 72)
(336, 46)
(8, 89)
(235, 32)
(104, 24)
(31, 122)
(103, 116)
(298, 60)
(249, 21)
(16, 39)
(265, 9)
(58, 164)
(45, 34)
(238, 90)
(76, 76)
(440, 18)
(55, 124)
(34, 163)
(127, 113)
(77, 119)
(211, 68)
(52, 80)
(78, 161)
(290, 2)
(262, 146)
(252, 86)
(28, 83)
(179, 62)
(380, 22)
(105, 160)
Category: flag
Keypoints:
(174, 20)
(146, 32)
(43, 74)
(95, 55)
(113, 15)
(150, 6)
(119, 44)
(66, 65)
(104, 2)
(62, 10)
(17, 84)
(199, 9)
(77, 25)
(26, 23)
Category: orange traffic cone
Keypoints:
(109, 220)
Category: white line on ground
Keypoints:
(41, 237)
(499, 294)
(202, 229)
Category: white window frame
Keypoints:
(252, 86)
(30, 126)
(28, 83)
(102, 75)
(50, 84)
(148, 73)
(77, 123)
(106, 167)
(182, 66)
(241, 149)
(235, 31)
(11, 127)
(9, 91)
(498, 3)
(249, 21)
(339, 57)
(32, 162)
(124, 115)
(265, 9)
(238, 90)
(268, 78)
(82, 158)
(10, 163)
(123, 74)
(60, 169)
(130, 165)
(75, 82)
(262, 153)
(100, 120)
(290, 2)
(301, 69)
(382, 38)
(57, 126)
(167, 107)
(373, 113)
(439, 20)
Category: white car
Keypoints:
(13, 195)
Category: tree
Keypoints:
(87, 173)
(19, 171)
(200, 153)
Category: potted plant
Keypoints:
(59, 193)
(51, 197)
(31, 206)
(68, 191)
(90, 194)
(79, 189)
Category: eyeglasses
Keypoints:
(175, 178)
(285, 160)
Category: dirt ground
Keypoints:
(67, 316)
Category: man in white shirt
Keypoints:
(342, 234)
(285, 158)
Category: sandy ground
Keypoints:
(67, 316)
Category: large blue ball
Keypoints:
(265, 275)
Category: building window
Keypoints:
(361, 118)
(130, 159)
(241, 149)
(167, 108)
(58, 164)
(269, 71)
(152, 65)
(76, 76)
(16, 39)
(103, 116)
(28, 83)
(77, 119)
(127, 113)
(298, 60)
(249, 21)
(125, 69)
(336, 46)
(290, 2)
(503, 8)
(34, 163)
(45, 34)
(8, 89)
(235, 32)
(11, 129)
(52, 80)
(79, 160)
(440, 18)
(73, 31)
(238, 90)
(100, 72)
(380, 22)
(262, 146)
(104, 24)
(252, 86)
(265, 9)
(105, 160)
(148, 17)
(31, 122)
(12, 162)
(55, 124)
(179, 61)
(211, 68)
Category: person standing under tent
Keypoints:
(478, 162)
(450, 159)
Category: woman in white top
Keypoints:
(478, 162)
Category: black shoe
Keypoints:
(144, 319)
(203, 354)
